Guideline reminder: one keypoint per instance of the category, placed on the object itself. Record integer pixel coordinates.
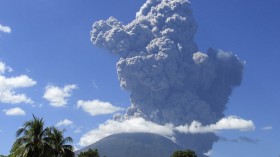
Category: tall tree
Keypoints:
(187, 153)
(59, 144)
(34, 140)
(31, 139)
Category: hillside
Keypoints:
(134, 145)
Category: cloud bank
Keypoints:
(140, 125)
(9, 85)
(228, 123)
(14, 112)
(57, 96)
(97, 107)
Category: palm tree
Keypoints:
(32, 140)
(59, 144)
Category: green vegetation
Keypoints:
(34, 140)
(89, 153)
(187, 153)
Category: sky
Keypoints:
(49, 68)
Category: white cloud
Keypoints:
(209, 153)
(58, 96)
(5, 29)
(267, 128)
(227, 123)
(140, 125)
(65, 122)
(3, 68)
(199, 57)
(9, 85)
(96, 107)
(14, 112)
(135, 125)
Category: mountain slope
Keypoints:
(134, 145)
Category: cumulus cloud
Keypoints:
(14, 112)
(57, 96)
(97, 107)
(140, 125)
(228, 123)
(9, 85)
(5, 29)
(65, 122)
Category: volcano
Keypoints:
(134, 145)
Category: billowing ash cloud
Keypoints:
(169, 79)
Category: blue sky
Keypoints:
(49, 43)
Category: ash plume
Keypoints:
(169, 79)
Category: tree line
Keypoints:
(36, 140)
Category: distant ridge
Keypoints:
(134, 145)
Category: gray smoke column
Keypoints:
(169, 79)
